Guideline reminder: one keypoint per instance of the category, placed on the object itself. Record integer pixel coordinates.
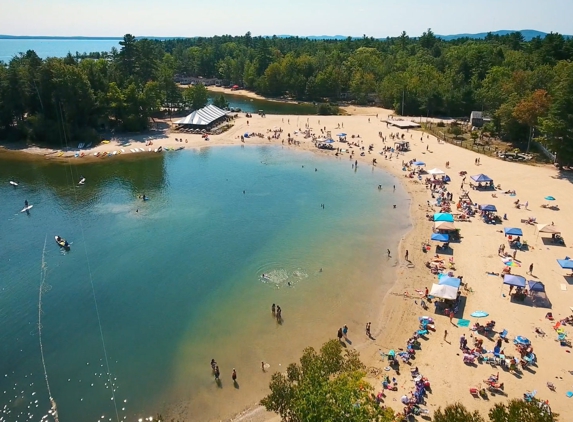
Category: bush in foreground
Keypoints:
(327, 385)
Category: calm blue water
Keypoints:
(177, 278)
(52, 48)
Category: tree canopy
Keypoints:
(325, 386)
(515, 410)
(525, 87)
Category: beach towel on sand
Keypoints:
(463, 322)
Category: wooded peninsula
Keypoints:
(525, 87)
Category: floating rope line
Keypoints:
(44, 287)
(111, 384)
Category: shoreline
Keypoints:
(396, 313)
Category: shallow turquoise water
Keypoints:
(178, 281)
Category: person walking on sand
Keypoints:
(406, 255)
(451, 316)
(217, 373)
(530, 269)
(273, 309)
(368, 330)
(345, 331)
(426, 292)
(462, 341)
(263, 366)
(234, 376)
(445, 335)
(339, 334)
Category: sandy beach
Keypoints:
(438, 360)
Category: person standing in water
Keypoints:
(26, 203)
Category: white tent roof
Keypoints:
(548, 228)
(436, 171)
(202, 117)
(444, 291)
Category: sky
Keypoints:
(188, 18)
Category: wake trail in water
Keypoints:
(43, 288)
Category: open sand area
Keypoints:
(438, 360)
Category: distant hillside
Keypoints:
(528, 34)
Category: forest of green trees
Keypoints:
(526, 87)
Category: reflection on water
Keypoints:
(253, 105)
(178, 278)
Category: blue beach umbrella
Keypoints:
(329, 141)
(550, 198)
(419, 163)
(341, 134)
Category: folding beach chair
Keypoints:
(503, 335)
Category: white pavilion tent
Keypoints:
(203, 117)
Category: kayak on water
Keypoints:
(62, 242)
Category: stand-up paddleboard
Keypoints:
(13, 183)
(27, 208)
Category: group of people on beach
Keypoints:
(277, 312)
(217, 372)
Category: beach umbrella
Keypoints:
(438, 237)
(329, 141)
(550, 198)
(235, 86)
(522, 340)
(565, 263)
(436, 172)
(488, 207)
(510, 262)
(514, 280)
(419, 163)
(481, 178)
(513, 231)
(443, 217)
(341, 134)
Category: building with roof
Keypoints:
(204, 118)
(403, 124)
(476, 119)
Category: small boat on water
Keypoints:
(13, 183)
(63, 243)
(82, 181)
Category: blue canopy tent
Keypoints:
(329, 141)
(444, 217)
(566, 263)
(449, 281)
(536, 286)
(514, 280)
(481, 178)
(538, 295)
(488, 207)
(513, 231)
(439, 237)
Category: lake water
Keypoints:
(52, 48)
(253, 105)
(177, 279)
